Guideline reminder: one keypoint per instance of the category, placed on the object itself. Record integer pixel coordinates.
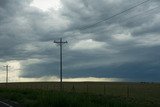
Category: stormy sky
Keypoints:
(123, 48)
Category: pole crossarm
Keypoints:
(60, 42)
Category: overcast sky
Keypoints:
(124, 48)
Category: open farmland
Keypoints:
(148, 91)
(108, 88)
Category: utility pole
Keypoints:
(60, 43)
(7, 66)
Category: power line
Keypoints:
(127, 19)
(140, 14)
(89, 26)
(92, 25)
(60, 43)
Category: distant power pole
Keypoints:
(60, 43)
(7, 66)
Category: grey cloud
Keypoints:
(27, 33)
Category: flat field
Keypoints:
(102, 94)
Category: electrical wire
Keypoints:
(124, 21)
(109, 18)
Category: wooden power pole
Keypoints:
(7, 67)
(60, 43)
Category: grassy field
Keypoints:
(83, 94)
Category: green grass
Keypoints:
(42, 98)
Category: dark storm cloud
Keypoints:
(126, 46)
(41, 69)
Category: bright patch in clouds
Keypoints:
(88, 44)
(122, 37)
(14, 64)
(46, 5)
(94, 79)
(81, 79)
